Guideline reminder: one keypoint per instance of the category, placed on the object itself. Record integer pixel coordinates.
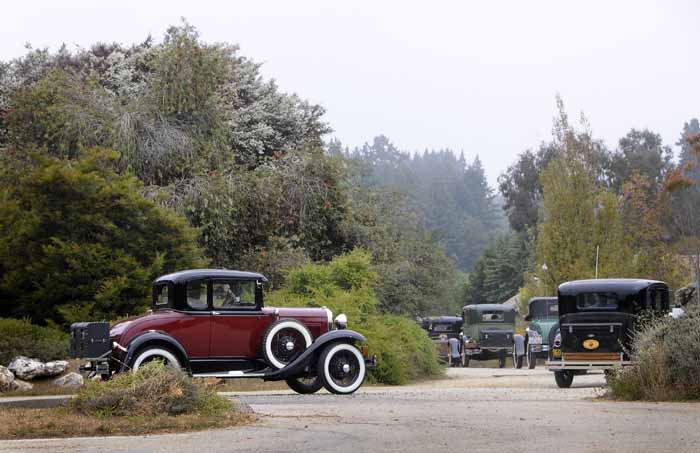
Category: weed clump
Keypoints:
(153, 390)
(666, 353)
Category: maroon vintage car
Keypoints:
(212, 323)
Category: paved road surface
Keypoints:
(486, 410)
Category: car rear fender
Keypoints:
(155, 338)
(296, 367)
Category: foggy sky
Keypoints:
(474, 76)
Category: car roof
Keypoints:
(486, 307)
(535, 299)
(613, 285)
(198, 274)
(444, 318)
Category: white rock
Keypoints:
(55, 368)
(6, 379)
(21, 386)
(69, 380)
(26, 368)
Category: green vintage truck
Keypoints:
(542, 318)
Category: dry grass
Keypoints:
(62, 422)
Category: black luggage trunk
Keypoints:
(89, 340)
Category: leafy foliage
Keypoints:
(77, 240)
(20, 337)
(345, 285)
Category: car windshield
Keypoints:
(442, 327)
(492, 316)
(544, 309)
(597, 301)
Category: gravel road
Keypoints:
(482, 409)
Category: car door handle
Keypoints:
(215, 313)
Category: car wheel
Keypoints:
(531, 359)
(502, 361)
(517, 359)
(305, 385)
(284, 341)
(342, 368)
(564, 379)
(154, 354)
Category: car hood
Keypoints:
(543, 326)
(285, 312)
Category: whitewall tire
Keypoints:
(342, 368)
(284, 341)
(155, 353)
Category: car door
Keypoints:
(192, 326)
(238, 321)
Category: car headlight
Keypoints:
(341, 321)
(557, 340)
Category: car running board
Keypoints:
(229, 374)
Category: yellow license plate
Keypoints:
(556, 353)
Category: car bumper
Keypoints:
(579, 361)
(539, 347)
(371, 362)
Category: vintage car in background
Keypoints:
(446, 333)
(213, 323)
(542, 318)
(596, 322)
(488, 332)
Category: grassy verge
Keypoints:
(63, 422)
(154, 399)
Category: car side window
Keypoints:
(197, 295)
(233, 295)
(162, 295)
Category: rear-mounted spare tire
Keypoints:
(284, 341)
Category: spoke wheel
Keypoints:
(284, 341)
(342, 368)
(155, 355)
(305, 385)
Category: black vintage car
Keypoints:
(596, 321)
(446, 333)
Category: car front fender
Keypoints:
(156, 338)
(296, 367)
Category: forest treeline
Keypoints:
(123, 162)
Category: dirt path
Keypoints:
(473, 410)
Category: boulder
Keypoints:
(6, 379)
(26, 368)
(21, 386)
(55, 368)
(69, 380)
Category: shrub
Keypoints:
(667, 356)
(152, 390)
(78, 240)
(20, 337)
(344, 285)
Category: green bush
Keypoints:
(344, 285)
(78, 241)
(152, 390)
(667, 356)
(20, 337)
